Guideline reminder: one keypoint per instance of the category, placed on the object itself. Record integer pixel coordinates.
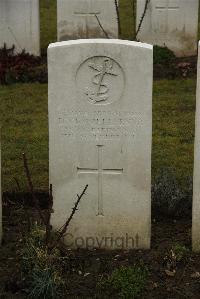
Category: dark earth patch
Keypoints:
(84, 269)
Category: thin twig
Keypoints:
(17, 183)
(142, 18)
(118, 18)
(49, 211)
(65, 226)
(134, 18)
(181, 293)
(183, 273)
(35, 200)
(106, 34)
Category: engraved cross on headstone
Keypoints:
(167, 7)
(93, 14)
(86, 14)
(166, 11)
(4, 25)
(3, 20)
(100, 171)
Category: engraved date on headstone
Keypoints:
(99, 124)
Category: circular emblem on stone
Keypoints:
(100, 80)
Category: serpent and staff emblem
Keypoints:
(100, 92)
(100, 80)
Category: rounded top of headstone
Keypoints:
(101, 41)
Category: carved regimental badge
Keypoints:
(100, 80)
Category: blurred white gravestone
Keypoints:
(86, 19)
(196, 178)
(170, 23)
(20, 25)
(100, 130)
(1, 224)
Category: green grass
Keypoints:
(125, 282)
(173, 126)
(23, 109)
(48, 24)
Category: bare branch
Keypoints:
(142, 18)
(65, 226)
(134, 18)
(118, 18)
(50, 206)
(17, 183)
(106, 34)
(35, 200)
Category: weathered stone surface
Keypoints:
(19, 25)
(0, 196)
(86, 19)
(196, 179)
(171, 23)
(100, 130)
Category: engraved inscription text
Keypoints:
(105, 125)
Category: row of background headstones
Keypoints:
(171, 23)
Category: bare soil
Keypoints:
(85, 268)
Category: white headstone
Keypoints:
(0, 196)
(19, 25)
(86, 19)
(170, 23)
(196, 179)
(100, 130)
